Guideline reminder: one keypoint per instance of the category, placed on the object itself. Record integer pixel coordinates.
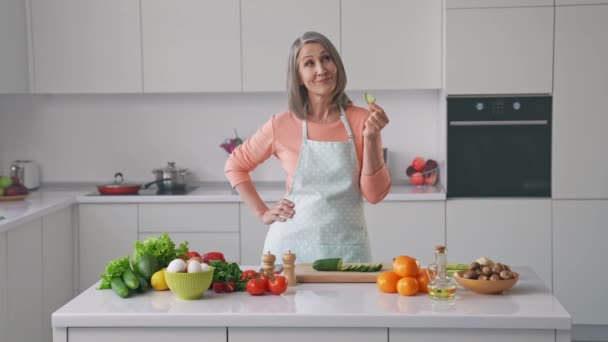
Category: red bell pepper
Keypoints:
(211, 256)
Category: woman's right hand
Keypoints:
(281, 211)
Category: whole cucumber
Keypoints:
(130, 279)
(143, 283)
(119, 287)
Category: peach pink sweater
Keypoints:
(281, 136)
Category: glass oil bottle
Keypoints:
(440, 287)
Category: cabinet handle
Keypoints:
(500, 123)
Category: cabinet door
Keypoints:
(191, 45)
(106, 232)
(308, 334)
(269, 28)
(579, 238)
(86, 46)
(405, 228)
(253, 235)
(189, 217)
(516, 232)
(146, 334)
(57, 259)
(392, 44)
(13, 47)
(499, 50)
(3, 288)
(580, 2)
(227, 243)
(580, 165)
(25, 278)
(471, 335)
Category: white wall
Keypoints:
(86, 138)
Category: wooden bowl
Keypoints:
(485, 286)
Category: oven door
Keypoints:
(499, 158)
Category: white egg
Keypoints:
(177, 265)
(194, 266)
(204, 267)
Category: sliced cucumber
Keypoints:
(335, 264)
(369, 98)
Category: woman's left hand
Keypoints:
(376, 121)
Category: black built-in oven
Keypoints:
(499, 146)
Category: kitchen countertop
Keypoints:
(528, 305)
(53, 197)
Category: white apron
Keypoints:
(329, 221)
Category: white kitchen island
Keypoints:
(316, 312)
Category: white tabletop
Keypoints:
(529, 305)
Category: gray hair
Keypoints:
(297, 94)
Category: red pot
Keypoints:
(121, 188)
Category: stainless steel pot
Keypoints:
(171, 178)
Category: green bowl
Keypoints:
(189, 285)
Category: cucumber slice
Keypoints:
(335, 264)
(369, 98)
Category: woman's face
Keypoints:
(318, 71)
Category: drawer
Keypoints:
(146, 334)
(189, 217)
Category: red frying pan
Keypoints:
(119, 187)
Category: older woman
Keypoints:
(331, 151)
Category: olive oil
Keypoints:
(440, 287)
(442, 293)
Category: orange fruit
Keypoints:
(387, 282)
(423, 280)
(406, 266)
(407, 286)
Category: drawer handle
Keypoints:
(500, 123)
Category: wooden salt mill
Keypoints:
(268, 260)
(289, 260)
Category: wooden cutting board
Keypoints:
(306, 274)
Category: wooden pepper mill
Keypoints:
(268, 260)
(289, 260)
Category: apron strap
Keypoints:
(344, 122)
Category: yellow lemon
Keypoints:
(158, 281)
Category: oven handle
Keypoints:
(500, 123)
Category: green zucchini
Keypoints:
(336, 264)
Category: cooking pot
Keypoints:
(171, 179)
(119, 187)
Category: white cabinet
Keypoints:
(579, 241)
(405, 228)
(145, 334)
(3, 288)
(14, 59)
(516, 232)
(36, 276)
(579, 111)
(499, 50)
(269, 28)
(24, 278)
(580, 2)
(86, 46)
(253, 235)
(57, 259)
(106, 232)
(392, 44)
(191, 45)
(308, 334)
(206, 226)
(497, 3)
(470, 335)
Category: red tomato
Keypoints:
(265, 279)
(278, 285)
(256, 287)
(249, 274)
(218, 287)
(229, 286)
